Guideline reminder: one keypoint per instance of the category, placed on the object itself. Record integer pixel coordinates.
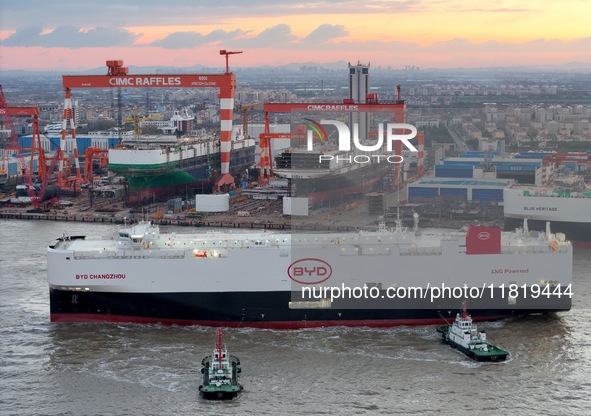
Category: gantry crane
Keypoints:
(397, 109)
(27, 173)
(36, 149)
(89, 155)
(117, 76)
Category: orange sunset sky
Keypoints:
(76, 35)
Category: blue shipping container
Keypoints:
(487, 195)
(463, 192)
(417, 192)
(453, 172)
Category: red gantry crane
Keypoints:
(118, 76)
(89, 155)
(36, 149)
(397, 109)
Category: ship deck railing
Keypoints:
(182, 248)
(421, 251)
(539, 249)
(128, 254)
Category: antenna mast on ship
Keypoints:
(398, 222)
(415, 227)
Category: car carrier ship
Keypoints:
(263, 279)
(326, 173)
(155, 165)
(568, 209)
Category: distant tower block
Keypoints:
(358, 90)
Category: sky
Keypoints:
(76, 35)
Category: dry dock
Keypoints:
(262, 214)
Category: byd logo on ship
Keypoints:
(309, 271)
(483, 235)
(345, 141)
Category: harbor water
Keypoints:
(115, 369)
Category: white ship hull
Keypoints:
(257, 279)
(570, 215)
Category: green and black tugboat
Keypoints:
(220, 373)
(464, 336)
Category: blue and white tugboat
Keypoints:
(220, 373)
(464, 336)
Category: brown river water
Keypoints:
(114, 369)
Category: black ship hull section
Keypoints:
(255, 309)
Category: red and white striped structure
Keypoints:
(117, 77)
(68, 115)
(226, 118)
(265, 154)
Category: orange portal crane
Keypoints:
(91, 153)
(6, 121)
(245, 109)
(36, 148)
(35, 140)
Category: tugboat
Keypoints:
(220, 373)
(464, 336)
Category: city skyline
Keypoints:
(68, 35)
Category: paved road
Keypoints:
(460, 144)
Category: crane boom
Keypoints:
(225, 52)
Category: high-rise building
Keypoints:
(358, 90)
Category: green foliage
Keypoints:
(436, 135)
(472, 143)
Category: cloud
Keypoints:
(179, 40)
(324, 33)
(143, 13)
(277, 36)
(68, 36)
